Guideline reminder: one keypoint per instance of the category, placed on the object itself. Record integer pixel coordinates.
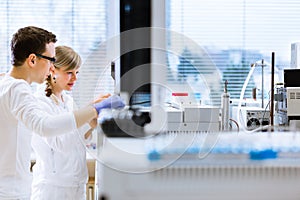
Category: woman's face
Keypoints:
(65, 79)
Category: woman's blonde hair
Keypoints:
(65, 57)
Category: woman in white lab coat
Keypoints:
(60, 171)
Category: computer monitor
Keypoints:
(291, 78)
(135, 61)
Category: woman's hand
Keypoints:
(93, 123)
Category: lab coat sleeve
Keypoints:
(24, 105)
(61, 143)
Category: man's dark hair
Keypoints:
(29, 40)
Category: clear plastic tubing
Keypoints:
(242, 96)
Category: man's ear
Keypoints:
(31, 60)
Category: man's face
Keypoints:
(43, 64)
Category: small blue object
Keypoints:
(112, 102)
(192, 150)
(262, 155)
(153, 155)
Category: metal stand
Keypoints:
(262, 83)
(272, 89)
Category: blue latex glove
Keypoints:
(114, 101)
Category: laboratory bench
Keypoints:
(260, 166)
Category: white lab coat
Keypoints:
(17, 107)
(60, 171)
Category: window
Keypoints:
(78, 24)
(234, 33)
(218, 41)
